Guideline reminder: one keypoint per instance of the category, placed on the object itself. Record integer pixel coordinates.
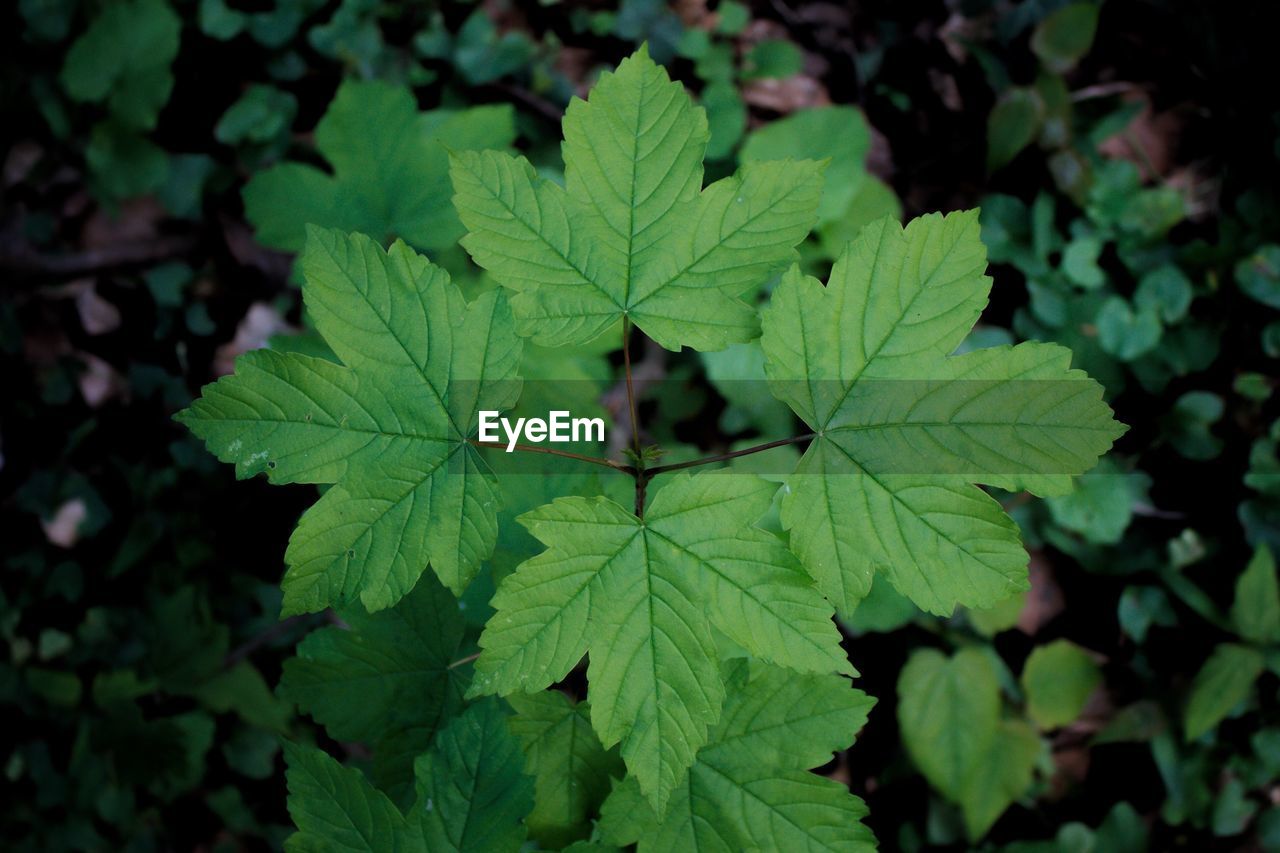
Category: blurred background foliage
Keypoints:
(160, 158)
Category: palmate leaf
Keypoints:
(904, 429)
(642, 597)
(748, 789)
(385, 680)
(572, 771)
(388, 426)
(471, 795)
(390, 170)
(633, 233)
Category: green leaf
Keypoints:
(472, 791)
(1058, 679)
(123, 163)
(1062, 39)
(1080, 262)
(389, 426)
(949, 714)
(903, 429)
(748, 788)
(389, 170)
(773, 58)
(840, 134)
(1101, 504)
(385, 680)
(1165, 290)
(642, 597)
(471, 795)
(1013, 124)
(1125, 333)
(1259, 275)
(573, 772)
(1225, 681)
(260, 115)
(123, 60)
(335, 809)
(1002, 777)
(1256, 610)
(633, 233)
(1003, 615)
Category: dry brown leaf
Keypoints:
(99, 381)
(259, 324)
(23, 157)
(786, 96)
(97, 315)
(1044, 600)
(1149, 141)
(63, 529)
(138, 220)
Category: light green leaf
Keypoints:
(949, 710)
(903, 430)
(949, 713)
(385, 680)
(840, 134)
(1224, 682)
(642, 597)
(124, 59)
(573, 772)
(389, 170)
(747, 788)
(1058, 679)
(1001, 616)
(1101, 504)
(389, 426)
(1003, 776)
(633, 233)
(471, 795)
(1256, 610)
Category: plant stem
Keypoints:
(631, 393)
(551, 451)
(464, 661)
(746, 451)
(642, 479)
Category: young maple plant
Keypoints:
(716, 676)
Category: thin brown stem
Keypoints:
(551, 451)
(722, 457)
(463, 662)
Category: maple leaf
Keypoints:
(471, 795)
(572, 770)
(386, 679)
(388, 426)
(633, 233)
(748, 788)
(390, 170)
(643, 596)
(903, 429)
